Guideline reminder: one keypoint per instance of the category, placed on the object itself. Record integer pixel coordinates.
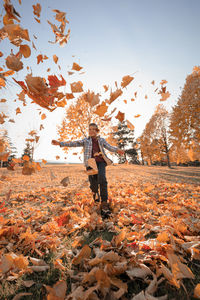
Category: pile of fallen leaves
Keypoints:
(146, 249)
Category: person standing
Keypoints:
(94, 146)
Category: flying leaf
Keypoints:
(18, 111)
(115, 95)
(13, 62)
(25, 50)
(76, 67)
(55, 58)
(101, 109)
(40, 58)
(37, 10)
(126, 80)
(76, 87)
(120, 116)
(43, 116)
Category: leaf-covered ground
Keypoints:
(55, 245)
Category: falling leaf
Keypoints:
(137, 116)
(115, 95)
(76, 67)
(37, 9)
(120, 116)
(165, 96)
(69, 96)
(76, 87)
(101, 109)
(43, 116)
(18, 111)
(126, 80)
(105, 88)
(153, 82)
(13, 62)
(91, 98)
(163, 82)
(40, 58)
(55, 59)
(25, 50)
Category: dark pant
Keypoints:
(100, 179)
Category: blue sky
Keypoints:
(110, 39)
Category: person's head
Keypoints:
(93, 129)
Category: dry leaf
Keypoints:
(101, 109)
(126, 80)
(25, 50)
(120, 116)
(76, 87)
(55, 58)
(76, 67)
(13, 62)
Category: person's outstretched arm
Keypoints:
(77, 143)
(112, 148)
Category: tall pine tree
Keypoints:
(125, 140)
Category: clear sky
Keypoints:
(110, 39)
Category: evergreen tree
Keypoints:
(126, 141)
(8, 146)
(27, 151)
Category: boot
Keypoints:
(96, 197)
(105, 210)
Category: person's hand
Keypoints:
(120, 151)
(54, 142)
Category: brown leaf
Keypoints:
(13, 62)
(76, 87)
(25, 50)
(84, 253)
(37, 10)
(120, 116)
